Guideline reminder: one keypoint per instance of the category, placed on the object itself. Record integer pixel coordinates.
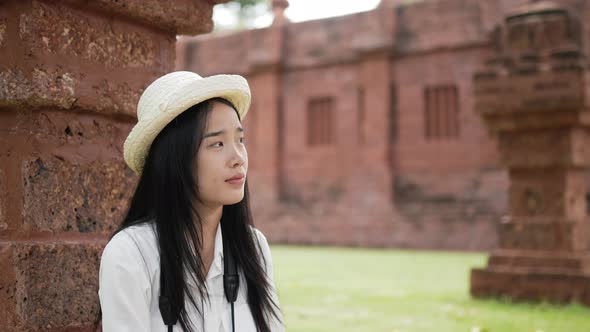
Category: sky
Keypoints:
(300, 10)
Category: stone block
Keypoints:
(539, 148)
(545, 92)
(70, 90)
(181, 17)
(554, 287)
(539, 261)
(430, 25)
(548, 192)
(45, 86)
(2, 31)
(62, 132)
(46, 286)
(3, 196)
(543, 235)
(8, 288)
(46, 33)
(52, 159)
(264, 48)
(60, 196)
(62, 30)
(321, 42)
(375, 31)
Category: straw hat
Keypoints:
(172, 94)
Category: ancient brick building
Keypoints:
(367, 129)
(362, 130)
(71, 73)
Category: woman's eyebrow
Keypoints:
(221, 132)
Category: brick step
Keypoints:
(536, 262)
(520, 285)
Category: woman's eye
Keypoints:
(218, 144)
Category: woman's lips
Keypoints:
(236, 181)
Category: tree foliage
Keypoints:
(249, 3)
(245, 12)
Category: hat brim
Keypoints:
(233, 88)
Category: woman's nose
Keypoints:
(238, 156)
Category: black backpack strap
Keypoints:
(231, 285)
(231, 279)
(169, 315)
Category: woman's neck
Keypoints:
(210, 218)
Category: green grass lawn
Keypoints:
(347, 289)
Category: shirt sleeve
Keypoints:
(275, 324)
(124, 287)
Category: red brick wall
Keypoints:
(71, 74)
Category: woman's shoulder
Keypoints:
(138, 235)
(127, 264)
(260, 238)
(132, 245)
(263, 247)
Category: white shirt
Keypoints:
(129, 287)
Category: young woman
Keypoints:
(189, 219)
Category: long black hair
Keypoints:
(166, 194)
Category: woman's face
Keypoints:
(222, 156)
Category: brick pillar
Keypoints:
(265, 66)
(374, 49)
(71, 73)
(533, 93)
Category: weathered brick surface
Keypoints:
(548, 193)
(3, 223)
(73, 162)
(312, 43)
(543, 148)
(16, 88)
(59, 129)
(44, 285)
(78, 198)
(176, 16)
(451, 204)
(2, 31)
(435, 24)
(57, 29)
(215, 50)
(539, 260)
(474, 149)
(8, 288)
(542, 92)
(71, 73)
(554, 287)
(264, 49)
(41, 34)
(533, 96)
(260, 124)
(557, 235)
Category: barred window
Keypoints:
(441, 112)
(320, 121)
